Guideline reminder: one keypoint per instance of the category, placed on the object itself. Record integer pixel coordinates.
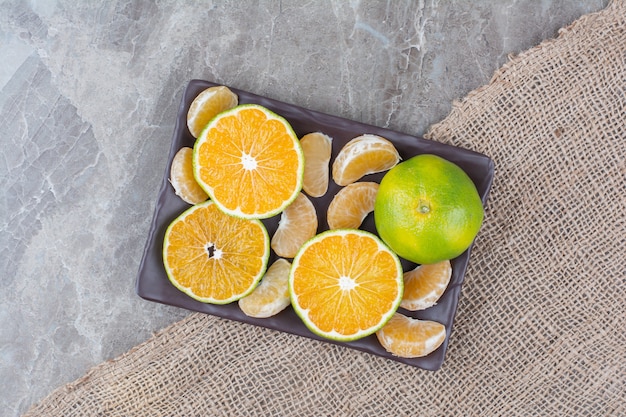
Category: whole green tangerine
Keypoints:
(428, 209)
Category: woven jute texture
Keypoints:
(541, 325)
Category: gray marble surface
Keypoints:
(88, 96)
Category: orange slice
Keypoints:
(298, 223)
(351, 205)
(424, 285)
(406, 337)
(271, 296)
(182, 179)
(249, 161)
(345, 284)
(213, 257)
(363, 155)
(317, 149)
(208, 104)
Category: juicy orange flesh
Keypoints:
(352, 260)
(425, 284)
(370, 162)
(363, 155)
(207, 105)
(298, 223)
(255, 150)
(351, 205)
(272, 295)
(182, 179)
(411, 338)
(215, 255)
(317, 148)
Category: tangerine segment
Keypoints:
(363, 155)
(345, 284)
(407, 337)
(208, 104)
(351, 205)
(213, 257)
(271, 296)
(424, 285)
(317, 148)
(250, 162)
(298, 223)
(182, 179)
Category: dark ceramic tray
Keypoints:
(152, 282)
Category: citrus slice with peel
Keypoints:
(363, 155)
(424, 285)
(298, 223)
(213, 257)
(249, 161)
(182, 179)
(317, 148)
(271, 296)
(208, 104)
(345, 284)
(407, 337)
(351, 205)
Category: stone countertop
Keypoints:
(88, 99)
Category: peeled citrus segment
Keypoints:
(351, 205)
(407, 337)
(271, 296)
(213, 257)
(345, 284)
(208, 104)
(317, 148)
(424, 285)
(249, 161)
(182, 179)
(298, 223)
(363, 155)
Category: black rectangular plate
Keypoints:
(152, 282)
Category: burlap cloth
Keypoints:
(540, 328)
